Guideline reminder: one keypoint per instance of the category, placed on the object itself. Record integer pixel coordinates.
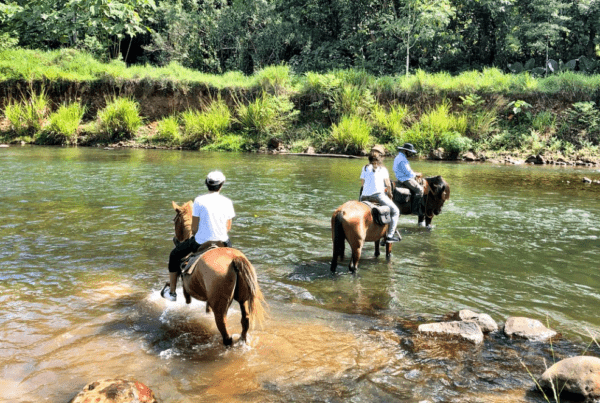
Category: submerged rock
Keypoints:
(530, 329)
(485, 321)
(115, 391)
(576, 375)
(467, 330)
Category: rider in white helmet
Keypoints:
(212, 214)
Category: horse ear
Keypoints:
(175, 206)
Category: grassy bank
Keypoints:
(67, 97)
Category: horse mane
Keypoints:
(183, 221)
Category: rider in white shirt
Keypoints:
(211, 221)
(375, 179)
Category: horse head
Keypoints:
(439, 192)
(183, 222)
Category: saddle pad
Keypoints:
(188, 263)
(401, 195)
(381, 214)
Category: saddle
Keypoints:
(381, 214)
(403, 195)
(188, 263)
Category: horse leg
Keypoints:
(377, 249)
(334, 263)
(428, 221)
(220, 312)
(356, 251)
(422, 221)
(388, 250)
(245, 320)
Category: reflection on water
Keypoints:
(86, 233)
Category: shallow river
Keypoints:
(85, 235)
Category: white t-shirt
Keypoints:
(213, 211)
(374, 180)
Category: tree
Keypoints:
(414, 21)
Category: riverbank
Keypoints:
(66, 97)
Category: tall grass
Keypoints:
(390, 125)
(62, 127)
(28, 115)
(201, 127)
(353, 100)
(266, 115)
(438, 127)
(119, 120)
(352, 134)
(167, 131)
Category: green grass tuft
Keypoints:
(62, 127)
(352, 134)
(119, 120)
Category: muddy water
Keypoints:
(85, 235)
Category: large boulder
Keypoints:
(530, 329)
(485, 321)
(115, 391)
(576, 375)
(466, 330)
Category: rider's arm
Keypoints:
(195, 222)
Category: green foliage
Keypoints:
(119, 120)
(167, 131)
(201, 127)
(266, 115)
(438, 127)
(352, 134)
(352, 100)
(275, 80)
(28, 115)
(544, 122)
(63, 125)
(389, 125)
(582, 124)
(230, 142)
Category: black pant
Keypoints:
(179, 252)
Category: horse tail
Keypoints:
(247, 286)
(339, 237)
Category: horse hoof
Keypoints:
(228, 342)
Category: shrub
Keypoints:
(266, 115)
(201, 127)
(62, 125)
(120, 119)
(352, 134)
(167, 131)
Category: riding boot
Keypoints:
(417, 205)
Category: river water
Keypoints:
(84, 240)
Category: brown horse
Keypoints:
(353, 221)
(218, 277)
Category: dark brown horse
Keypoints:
(218, 277)
(353, 221)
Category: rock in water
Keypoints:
(485, 321)
(467, 330)
(115, 391)
(576, 375)
(526, 328)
